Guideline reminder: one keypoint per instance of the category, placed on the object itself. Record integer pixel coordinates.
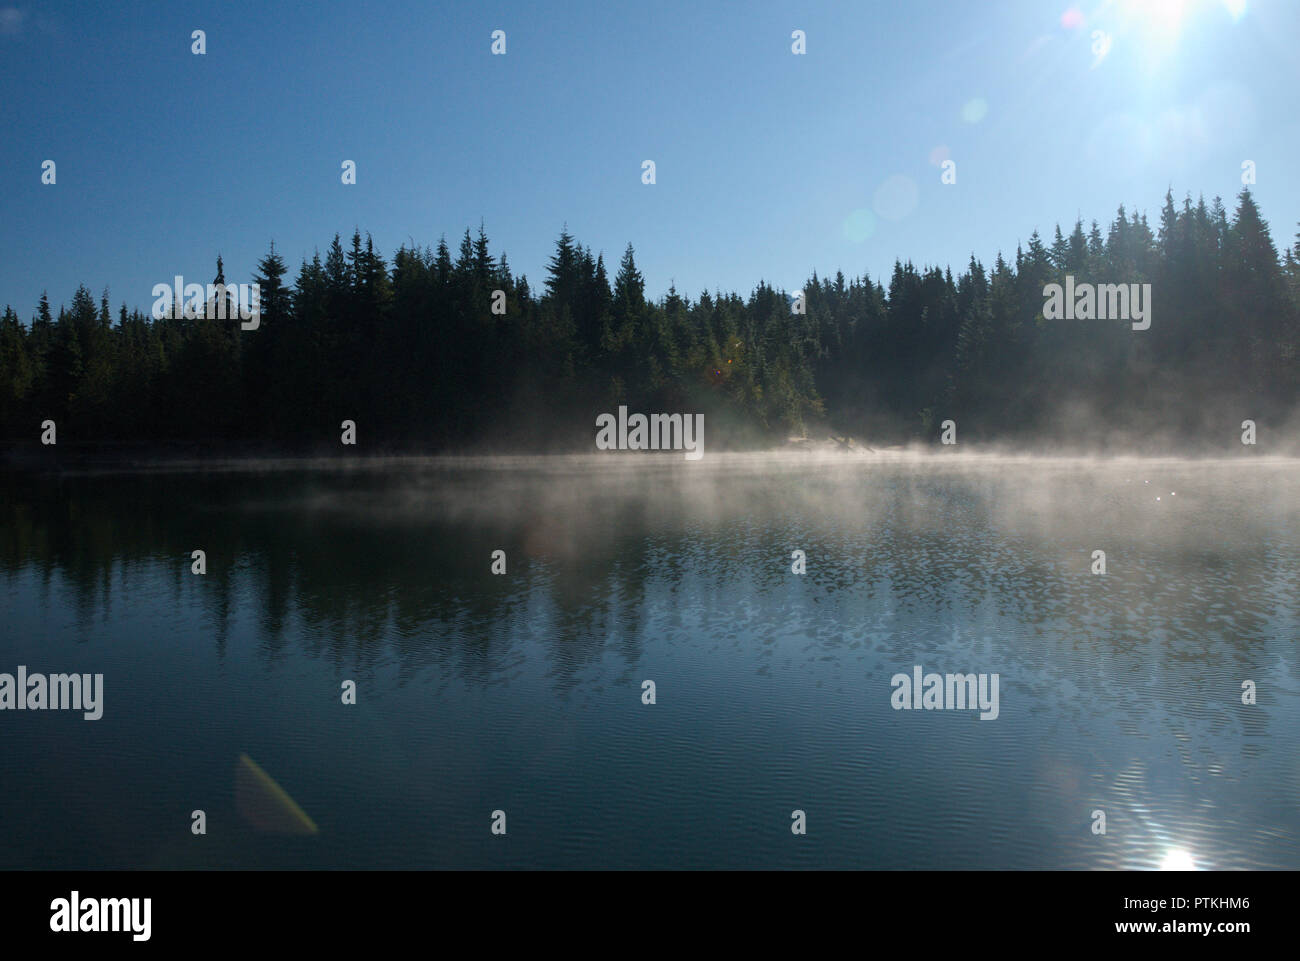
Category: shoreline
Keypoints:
(130, 458)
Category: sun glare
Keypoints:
(1158, 22)
(1176, 859)
(1163, 20)
(1166, 14)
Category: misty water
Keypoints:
(522, 692)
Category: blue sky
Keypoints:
(769, 165)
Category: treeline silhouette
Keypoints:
(414, 353)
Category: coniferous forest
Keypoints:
(412, 351)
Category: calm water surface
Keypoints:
(522, 692)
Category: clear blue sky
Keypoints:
(769, 165)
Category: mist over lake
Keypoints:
(523, 692)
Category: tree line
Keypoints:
(413, 352)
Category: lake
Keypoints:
(773, 691)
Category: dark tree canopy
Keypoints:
(414, 351)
